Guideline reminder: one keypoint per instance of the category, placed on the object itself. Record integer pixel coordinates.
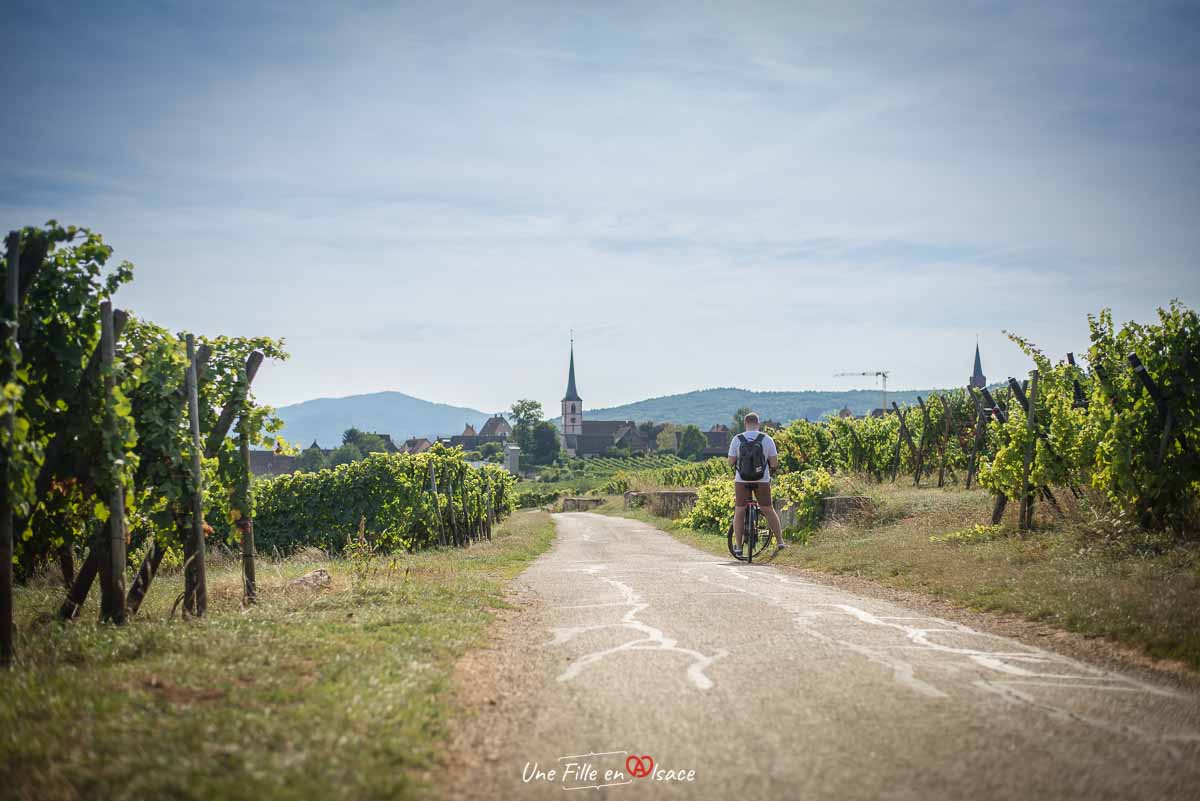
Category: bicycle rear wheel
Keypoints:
(758, 534)
(730, 541)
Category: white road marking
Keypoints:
(654, 640)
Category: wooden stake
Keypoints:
(491, 511)
(998, 509)
(12, 298)
(116, 499)
(1079, 400)
(943, 441)
(1026, 515)
(980, 438)
(232, 409)
(246, 523)
(197, 594)
(437, 507)
(1164, 408)
(906, 437)
(920, 459)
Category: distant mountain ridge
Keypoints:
(402, 416)
(705, 407)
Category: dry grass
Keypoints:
(1072, 572)
(334, 693)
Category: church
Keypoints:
(593, 437)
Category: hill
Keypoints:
(705, 407)
(402, 416)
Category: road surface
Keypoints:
(634, 647)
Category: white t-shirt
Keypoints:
(769, 451)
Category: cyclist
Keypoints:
(752, 455)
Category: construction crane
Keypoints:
(880, 374)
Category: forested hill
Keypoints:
(705, 407)
(402, 416)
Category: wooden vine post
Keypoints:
(904, 436)
(944, 441)
(1001, 417)
(437, 506)
(1080, 400)
(153, 559)
(920, 458)
(466, 510)
(12, 293)
(1164, 410)
(1026, 515)
(487, 479)
(196, 590)
(246, 521)
(114, 607)
(980, 437)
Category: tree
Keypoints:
(345, 454)
(526, 414)
(666, 440)
(489, 450)
(692, 443)
(649, 431)
(739, 419)
(313, 459)
(545, 443)
(365, 441)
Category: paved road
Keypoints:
(767, 685)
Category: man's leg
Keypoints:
(768, 509)
(741, 501)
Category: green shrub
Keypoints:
(967, 536)
(714, 507)
(535, 497)
(805, 491)
(693, 475)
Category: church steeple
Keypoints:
(572, 410)
(572, 393)
(978, 379)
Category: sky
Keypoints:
(431, 197)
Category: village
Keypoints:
(578, 437)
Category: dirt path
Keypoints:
(763, 684)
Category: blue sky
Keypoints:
(428, 197)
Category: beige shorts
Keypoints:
(741, 493)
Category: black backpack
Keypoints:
(751, 461)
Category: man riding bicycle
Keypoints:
(752, 455)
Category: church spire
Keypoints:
(977, 378)
(572, 393)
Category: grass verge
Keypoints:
(336, 693)
(1067, 573)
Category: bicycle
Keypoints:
(756, 534)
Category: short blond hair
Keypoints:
(751, 417)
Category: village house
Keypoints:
(719, 437)
(416, 445)
(496, 429)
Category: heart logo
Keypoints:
(639, 767)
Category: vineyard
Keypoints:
(605, 466)
(397, 501)
(1117, 434)
(126, 447)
